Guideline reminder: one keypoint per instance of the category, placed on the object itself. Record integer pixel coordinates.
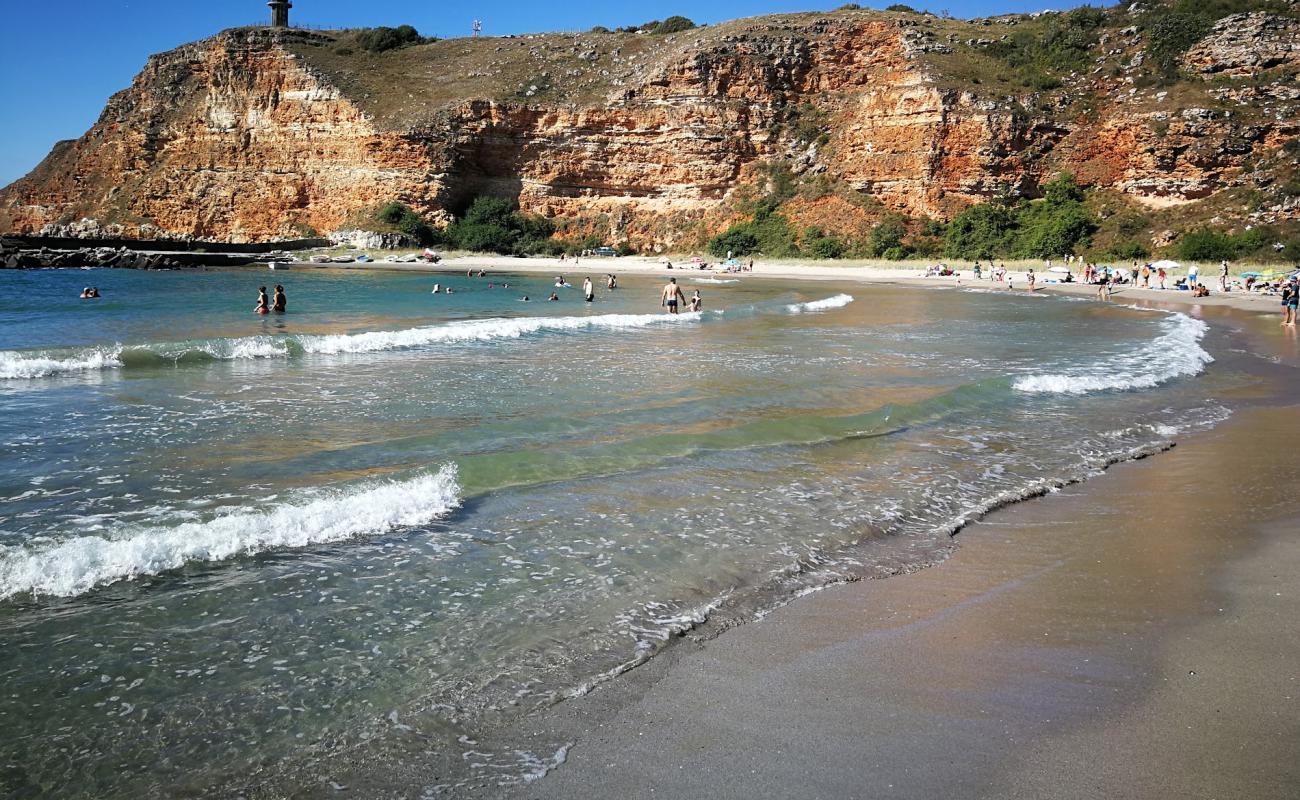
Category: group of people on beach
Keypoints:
(266, 305)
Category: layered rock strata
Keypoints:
(259, 134)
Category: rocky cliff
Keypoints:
(259, 134)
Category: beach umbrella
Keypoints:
(1165, 264)
(1250, 274)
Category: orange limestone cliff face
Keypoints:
(227, 139)
(260, 134)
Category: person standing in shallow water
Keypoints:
(263, 304)
(279, 302)
(588, 292)
(697, 303)
(671, 294)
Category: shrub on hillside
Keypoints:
(1062, 45)
(496, 225)
(738, 240)
(886, 236)
(404, 219)
(981, 231)
(1057, 225)
(826, 247)
(1047, 231)
(377, 40)
(1206, 244)
(674, 24)
(1128, 251)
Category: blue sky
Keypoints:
(60, 60)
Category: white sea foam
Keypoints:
(37, 364)
(1175, 353)
(837, 301)
(480, 330)
(716, 280)
(74, 566)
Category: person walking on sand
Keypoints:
(670, 295)
(1160, 277)
(263, 304)
(588, 292)
(1223, 275)
(279, 302)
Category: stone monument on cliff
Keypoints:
(280, 13)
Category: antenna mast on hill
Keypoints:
(478, 27)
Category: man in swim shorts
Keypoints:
(670, 295)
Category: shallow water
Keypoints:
(378, 526)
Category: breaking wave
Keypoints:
(75, 566)
(837, 301)
(38, 364)
(1175, 353)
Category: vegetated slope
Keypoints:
(1175, 114)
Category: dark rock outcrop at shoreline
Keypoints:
(13, 256)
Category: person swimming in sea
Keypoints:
(553, 296)
(437, 288)
(279, 302)
(89, 293)
(263, 303)
(524, 299)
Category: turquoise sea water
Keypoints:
(273, 554)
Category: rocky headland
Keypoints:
(660, 141)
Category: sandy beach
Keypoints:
(904, 274)
(1132, 636)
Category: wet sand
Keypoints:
(1137, 635)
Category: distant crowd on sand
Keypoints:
(1151, 275)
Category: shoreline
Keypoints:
(1057, 628)
(867, 275)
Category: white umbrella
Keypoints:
(1166, 264)
(1059, 270)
